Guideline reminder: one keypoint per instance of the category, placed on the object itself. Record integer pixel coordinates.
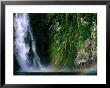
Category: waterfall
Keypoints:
(24, 45)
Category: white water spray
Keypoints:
(23, 43)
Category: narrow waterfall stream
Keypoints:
(24, 45)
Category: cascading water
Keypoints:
(24, 45)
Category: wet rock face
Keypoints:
(87, 56)
(40, 30)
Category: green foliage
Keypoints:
(66, 38)
(67, 34)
